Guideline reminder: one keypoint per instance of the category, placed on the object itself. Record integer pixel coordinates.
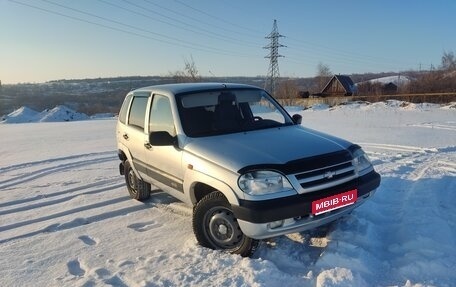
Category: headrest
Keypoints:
(227, 97)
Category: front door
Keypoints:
(164, 162)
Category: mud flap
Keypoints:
(121, 168)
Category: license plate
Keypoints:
(334, 202)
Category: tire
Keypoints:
(138, 189)
(216, 227)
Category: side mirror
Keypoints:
(161, 139)
(297, 119)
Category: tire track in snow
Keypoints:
(46, 161)
(416, 216)
(403, 148)
(45, 202)
(51, 206)
(448, 166)
(62, 213)
(65, 219)
(59, 193)
(32, 175)
(412, 162)
(433, 166)
(61, 224)
(449, 126)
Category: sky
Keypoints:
(44, 40)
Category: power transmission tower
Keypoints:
(273, 71)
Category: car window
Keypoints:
(229, 111)
(124, 109)
(266, 110)
(161, 116)
(138, 112)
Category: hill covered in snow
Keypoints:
(397, 80)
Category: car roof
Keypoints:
(192, 87)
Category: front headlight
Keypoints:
(263, 182)
(361, 162)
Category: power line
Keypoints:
(118, 23)
(212, 16)
(212, 25)
(185, 24)
(322, 49)
(171, 40)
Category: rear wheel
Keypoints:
(216, 227)
(138, 189)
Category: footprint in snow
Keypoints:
(144, 226)
(125, 263)
(115, 281)
(88, 240)
(102, 273)
(75, 269)
(105, 276)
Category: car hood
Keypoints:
(264, 147)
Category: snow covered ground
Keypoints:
(66, 218)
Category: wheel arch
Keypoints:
(124, 154)
(204, 185)
(121, 154)
(200, 190)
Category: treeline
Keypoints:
(97, 103)
(90, 96)
(105, 95)
(440, 80)
(437, 81)
(88, 103)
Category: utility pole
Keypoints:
(273, 71)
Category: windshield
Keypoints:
(229, 111)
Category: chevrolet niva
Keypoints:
(249, 169)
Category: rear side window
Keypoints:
(124, 109)
(138, 112)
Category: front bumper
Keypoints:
(255, 217)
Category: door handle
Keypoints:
(147, 145)
(125, 136)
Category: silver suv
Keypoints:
(249, 169)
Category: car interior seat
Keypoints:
(227, 115)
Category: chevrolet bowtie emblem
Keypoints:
(330, 174)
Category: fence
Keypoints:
(436, 98)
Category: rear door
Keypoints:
(134, 134)
(122, 122)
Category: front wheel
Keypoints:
(216, 227)
(138, 189)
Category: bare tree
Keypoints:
(370, 89)
(448, 61)
(323, 75)
(287, 91)
(189, 74)
(442, 81)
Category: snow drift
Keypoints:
(57, 114)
